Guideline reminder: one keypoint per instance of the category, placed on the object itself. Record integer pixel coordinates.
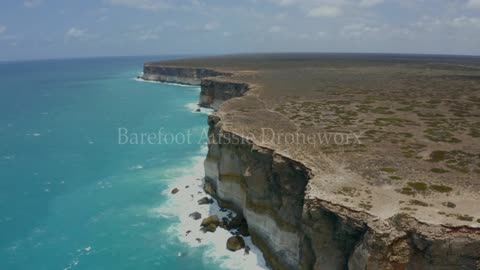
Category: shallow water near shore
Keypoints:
(72, 197)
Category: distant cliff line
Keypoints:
(213, 92)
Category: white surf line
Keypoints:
(195, 108)
(138, 79)
(185, 202)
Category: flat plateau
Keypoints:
(413, 124)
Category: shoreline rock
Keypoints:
(205, 200)
(235, 243)
(195, 215)
(210, 224)
(210, 220)
(209, 228)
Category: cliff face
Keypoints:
(190, 76)
(215, 92)
(298, 231)
(266, 188)
(341, 239)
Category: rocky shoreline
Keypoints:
(298, 230)
(234, 223)
(204, 227)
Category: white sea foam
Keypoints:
(136, 167)
(182, 204)
(76, 260)
(138, 79)
(193, 107)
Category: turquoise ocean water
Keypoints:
(72, 197)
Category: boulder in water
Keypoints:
(210, 220)
(210, 228)
(205, 200)
(235, 243)
(195, 215)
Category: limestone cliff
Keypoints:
(296, 230)
(215, 92)
(265, 187)
(190, 76)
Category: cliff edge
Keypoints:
(345, 161)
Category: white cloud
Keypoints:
(427, 23)
(149, 36)
(207, 27)
(370, 3)
(433, 24)
(227, 34)
(210, 26)
(325, 11)
(464, 22)
(321, 34)
(275, 29)
(3, 28)
(304, 36)
(328, 8)
(312, 36)
(153, 5)
(358, 30)
(170, 23)
(154, 33)
(283, 2)
(77, 34)
(473, 4)
(32, 3)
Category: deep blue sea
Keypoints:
(73, 197)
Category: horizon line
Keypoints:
(233, 54)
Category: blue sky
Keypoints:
(35, 29)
